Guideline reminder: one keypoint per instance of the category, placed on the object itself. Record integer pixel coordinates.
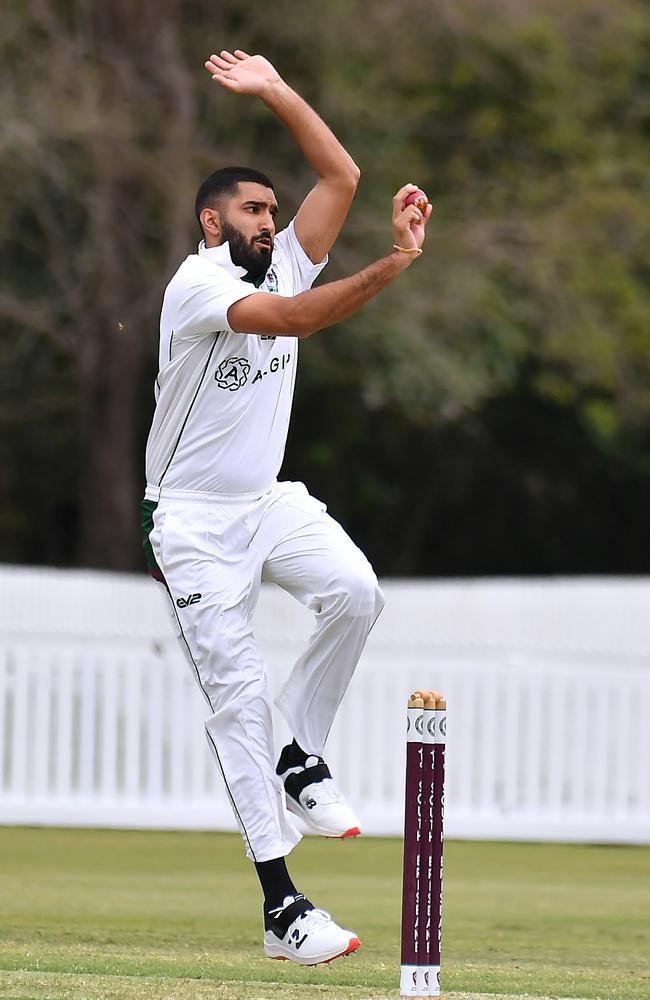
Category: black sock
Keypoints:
(292, 756)
(275, 881)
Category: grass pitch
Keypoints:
(110, 915)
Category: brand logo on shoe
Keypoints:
(310, 803)
(184, 602)
(296, 940)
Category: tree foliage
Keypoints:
(488, 413)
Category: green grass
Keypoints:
(94, 914)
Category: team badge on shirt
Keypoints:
(232, 373)
(271, 280)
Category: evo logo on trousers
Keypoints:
(184, 602)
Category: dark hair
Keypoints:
(224, 182)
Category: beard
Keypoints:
(246, 251)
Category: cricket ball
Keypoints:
(417, 198)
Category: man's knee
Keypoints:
(359, 592)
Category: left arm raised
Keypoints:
(322, 213)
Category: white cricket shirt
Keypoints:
(223, 399)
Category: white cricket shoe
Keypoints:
(297, 932)
(313, 795)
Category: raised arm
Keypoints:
(304, 314)
(322, 213)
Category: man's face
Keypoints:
(248, 224)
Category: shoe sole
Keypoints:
(352, 946)
(354, 831)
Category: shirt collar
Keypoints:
(221, 255)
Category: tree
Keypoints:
(97, 193)
(523, 121)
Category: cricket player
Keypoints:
(216, 520)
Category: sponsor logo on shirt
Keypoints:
(232, 373)
(275, 365)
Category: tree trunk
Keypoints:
(112, 370)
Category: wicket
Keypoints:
(423, 844)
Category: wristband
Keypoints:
(416, 250)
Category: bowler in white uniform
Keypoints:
(217, 522)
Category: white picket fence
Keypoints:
(548, 686)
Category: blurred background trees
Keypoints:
(488, 414)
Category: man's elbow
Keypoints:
(347, 176)
(352, 176)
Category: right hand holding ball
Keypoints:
(411, 211)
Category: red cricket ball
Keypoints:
(417, 198)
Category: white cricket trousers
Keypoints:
(221, 548)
